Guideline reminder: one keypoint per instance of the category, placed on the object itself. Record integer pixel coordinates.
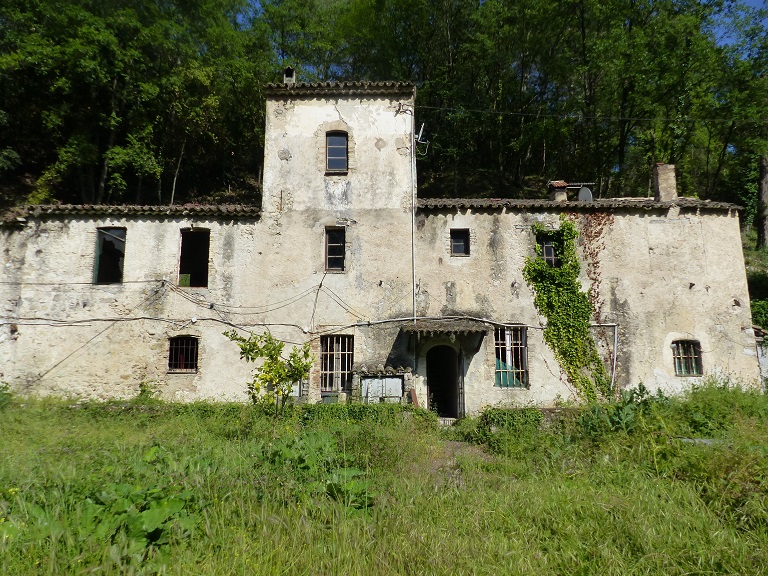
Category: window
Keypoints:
(336, 151)
(335, 249)
(687, 357)
(182, 355)
(110, 250)
(512, 357)
(336, 354)
(548, 251)
(193, 263)
(459, 242)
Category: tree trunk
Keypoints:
(762, 204)
(178, 167)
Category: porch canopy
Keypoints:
(438, 326)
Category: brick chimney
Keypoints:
(665, 182)
(558, 190)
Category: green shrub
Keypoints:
(5, 395)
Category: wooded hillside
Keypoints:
(154, 101)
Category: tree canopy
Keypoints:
(161, 101)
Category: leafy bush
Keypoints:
(633, 407)
(385, 414)
(760, 313)
(5, 395)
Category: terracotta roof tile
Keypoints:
(229, 211)
(340, 88)
(445, 326)
(595, 205)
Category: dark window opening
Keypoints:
(193, 263)
(336, 151)
(335, 249)
(548, 250)
(182, 354)
(336, 357)
(511, 345)
(110, 252)
(687, 357)
(459, 242)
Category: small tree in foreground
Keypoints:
(273, 380)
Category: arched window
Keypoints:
(336, 151)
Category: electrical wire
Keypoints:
(582, 117)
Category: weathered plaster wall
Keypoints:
(379, 174)
(73, 335)
(657, 274)
(677, 275)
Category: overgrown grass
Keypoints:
(647, 485)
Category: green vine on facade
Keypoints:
(559, 297)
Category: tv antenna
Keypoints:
(419, 140)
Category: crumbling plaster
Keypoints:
(655, 274)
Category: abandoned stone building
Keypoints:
(398, 296)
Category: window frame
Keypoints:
(547, 250)
(99, 268)
(331, 243)
(177, 362)
(460, 237)
(510, 345)
(189, 265)
(686, 358)
(333, 152)
(337, 352)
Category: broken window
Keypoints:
(548, 250)
(459, 242)
(335, 249)
(193, 262)
(336, 353)
(110, 251)
(182, 354)
(511, 344)
(687, 357)
(336, 151)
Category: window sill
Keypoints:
(182, 372)
(336, 172)
(335, 271)
(460, 255)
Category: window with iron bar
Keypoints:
(336, 357)
(548, 251)
(182, 354)
(511, 344)
(335, 249)
(687, 357)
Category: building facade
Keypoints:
(398, 297)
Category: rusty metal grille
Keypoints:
(182, 355)
(687, 356)
(336, 357)
(548, 252)
(511, 345)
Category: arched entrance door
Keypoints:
(443, 381)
